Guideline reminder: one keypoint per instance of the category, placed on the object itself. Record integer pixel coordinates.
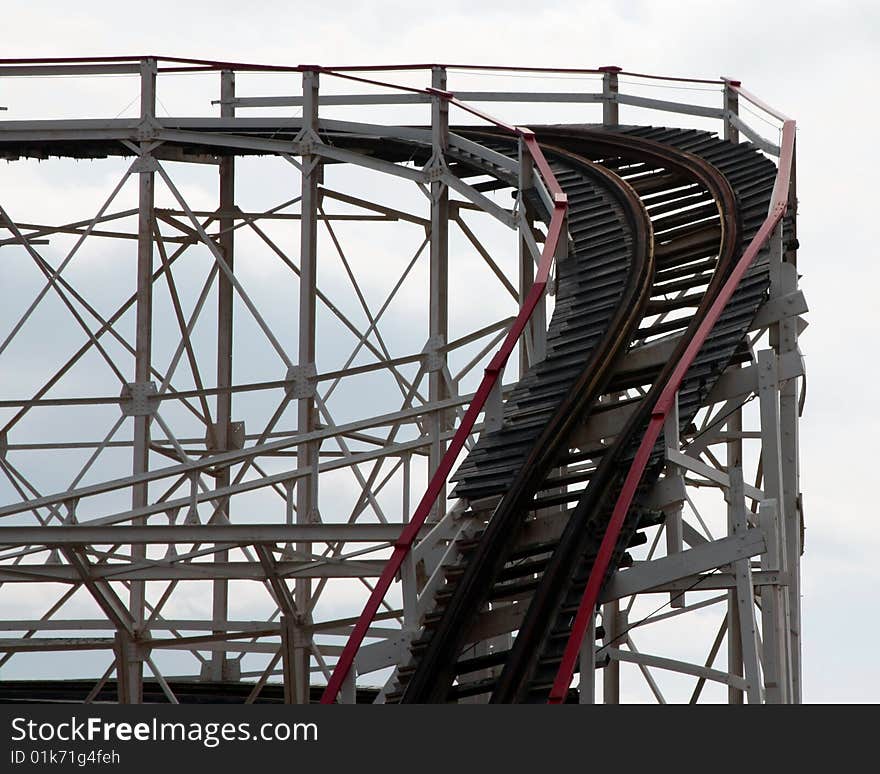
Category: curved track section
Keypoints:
(705, 199)
(529, 671)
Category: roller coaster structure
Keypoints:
(192, 512)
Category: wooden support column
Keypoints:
(533, 342)
(133, 680)
(438, 327)
(731, 107)
(294, 667)
(673, 520)
(307, 453)
(734, 637)
(610, 106)
(225, 308)
(611, 674)
(745, 598)
(784, 340)
(587, 686)
(774, 624)
(775, 614)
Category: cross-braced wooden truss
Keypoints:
(228, 377)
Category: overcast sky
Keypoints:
(815, 61)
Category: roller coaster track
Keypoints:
(533, 662)
(660, 241)
(653, 213)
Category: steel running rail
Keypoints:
(491, 376)
(778, 206)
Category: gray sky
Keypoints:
(816, 61)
